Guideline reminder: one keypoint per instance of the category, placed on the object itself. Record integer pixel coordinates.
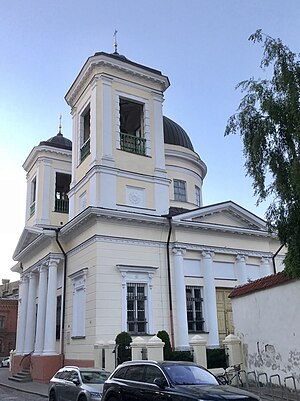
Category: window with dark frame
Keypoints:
(85, 127)
(32, 197)
(2, 321)
(197, 196)
(194, 306)
(179, 190)
(136, 308)
(62, 187)
(132, 126)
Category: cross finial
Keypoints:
(115, 43)
(59, 128)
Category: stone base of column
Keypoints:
(43, 367)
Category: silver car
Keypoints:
(71, 383)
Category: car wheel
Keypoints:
(82, 398)
(52, 396)
(113, 399)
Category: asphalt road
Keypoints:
(9, 394)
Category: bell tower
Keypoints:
(118, 159)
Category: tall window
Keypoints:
(85, 132)
(132, 137)
(2, 321)
(62, 186)
(194, 302)
(136, 308)
(180, 190)
(32, 197)
(79, 303)
(197, 196)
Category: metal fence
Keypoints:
(268, 387)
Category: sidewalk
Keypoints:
(30, 387)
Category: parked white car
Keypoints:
(5, 362)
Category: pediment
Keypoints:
(227, 214)
(29, 236)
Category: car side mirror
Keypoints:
(160, 382)
(76, 381)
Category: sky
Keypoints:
(201, 45)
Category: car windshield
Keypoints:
(189, 375)
(94, 377)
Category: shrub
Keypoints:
(216, 358)
(123, 341)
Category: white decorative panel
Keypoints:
(135, 196)
(224, 270)
(82, 202)
(253, 272)
(192, 268)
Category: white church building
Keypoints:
(116, 236)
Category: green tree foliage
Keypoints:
(164, 336)
(123, 341)
(268, 121)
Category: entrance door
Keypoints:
(224, 311)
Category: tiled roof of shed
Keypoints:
(260, 284)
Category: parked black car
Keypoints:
(168, 381)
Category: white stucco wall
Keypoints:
(268, 323)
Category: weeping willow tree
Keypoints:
(268, 121)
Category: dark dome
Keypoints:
(58, 141)
(175, 135)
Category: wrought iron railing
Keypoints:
(133, 144)
(32, 209)
(85, 149)
(62, 205)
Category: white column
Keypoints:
(241, 269)
(50, 324)
(94, 117)
(106, 112)
(21, 328)
(210, 302)
(30, 318)
(41, 311)
(46, 188)
(265, 267)
(181, 326)
(75, 158)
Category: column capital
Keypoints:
(241, 258)
(54, 261)
(208, 254)
(179, 251)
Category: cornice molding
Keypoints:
(109, 65)
(34, 154)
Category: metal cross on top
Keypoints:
(116, 44)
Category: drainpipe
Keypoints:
(274, 256)
(169, 281)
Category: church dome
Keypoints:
(175, 135)
(58, 141)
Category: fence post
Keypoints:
(233, 347)
(155, 349)
(98, 360)
(109, 355)
(198, 345)
(137, 346)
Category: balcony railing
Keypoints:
(133, 144)
(32, 209)
(62, 205)
(85, 149)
